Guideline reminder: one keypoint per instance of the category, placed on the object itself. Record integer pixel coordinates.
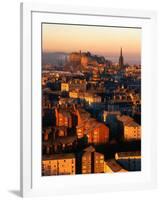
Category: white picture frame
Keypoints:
(32, 183)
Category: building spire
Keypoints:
(121, 51)
(121, 59)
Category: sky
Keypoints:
(105, 41)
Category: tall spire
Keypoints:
(121, 52)
(121, 59)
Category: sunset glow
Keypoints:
(104, 41)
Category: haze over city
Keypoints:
(104, 41)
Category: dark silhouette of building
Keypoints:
(121, 60)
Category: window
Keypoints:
(84, 158)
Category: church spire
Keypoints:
(121, 59)
(121, 51)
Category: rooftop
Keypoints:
(89, 149)
(129, 153)
(65, 139)
(58, 156)
(133, 124)
(115, 167)
(125, 119)
(92, 124)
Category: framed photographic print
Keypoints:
(87, 99)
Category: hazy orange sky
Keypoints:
(104, 41)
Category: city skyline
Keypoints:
(91, 107)
(105, 41)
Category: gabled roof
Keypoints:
(113, 165)
(89, 149)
